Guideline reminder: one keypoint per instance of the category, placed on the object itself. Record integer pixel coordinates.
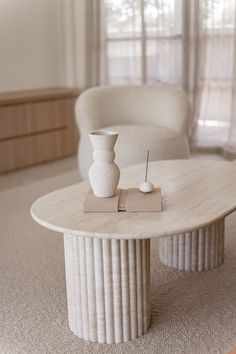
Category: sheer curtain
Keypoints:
(189, 43)
(216, 77)
(140, 38)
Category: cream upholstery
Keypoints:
(146, 117)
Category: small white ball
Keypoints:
(146, 187)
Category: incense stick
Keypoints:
(147, 166)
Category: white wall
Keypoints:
(31, 54)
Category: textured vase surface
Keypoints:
(104, 174)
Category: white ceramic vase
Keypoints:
(104, 174)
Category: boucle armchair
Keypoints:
(146, 117)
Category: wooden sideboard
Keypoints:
(37, 126)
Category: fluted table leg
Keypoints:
(108, 288)
(197, 250)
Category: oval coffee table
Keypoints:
(107, 255)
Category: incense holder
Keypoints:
(146, 187)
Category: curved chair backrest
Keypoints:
(162, 105)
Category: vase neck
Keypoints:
(104, 156)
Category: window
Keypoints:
(182, 42)
(141, 37)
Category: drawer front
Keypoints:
(38, 148)
(40, 117)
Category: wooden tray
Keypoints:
(126, 200)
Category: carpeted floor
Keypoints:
(192, 313)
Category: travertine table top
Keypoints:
(195, 193)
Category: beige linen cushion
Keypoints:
(163, 143)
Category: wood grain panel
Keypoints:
(18, 120)
(37, 131)
(9, 98)
(35, 149)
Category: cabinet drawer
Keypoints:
(37, 126)
(24, 119)
(33, 149)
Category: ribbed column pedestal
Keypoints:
(198, 250)
(108, 288)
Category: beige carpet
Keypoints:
(192, 313)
